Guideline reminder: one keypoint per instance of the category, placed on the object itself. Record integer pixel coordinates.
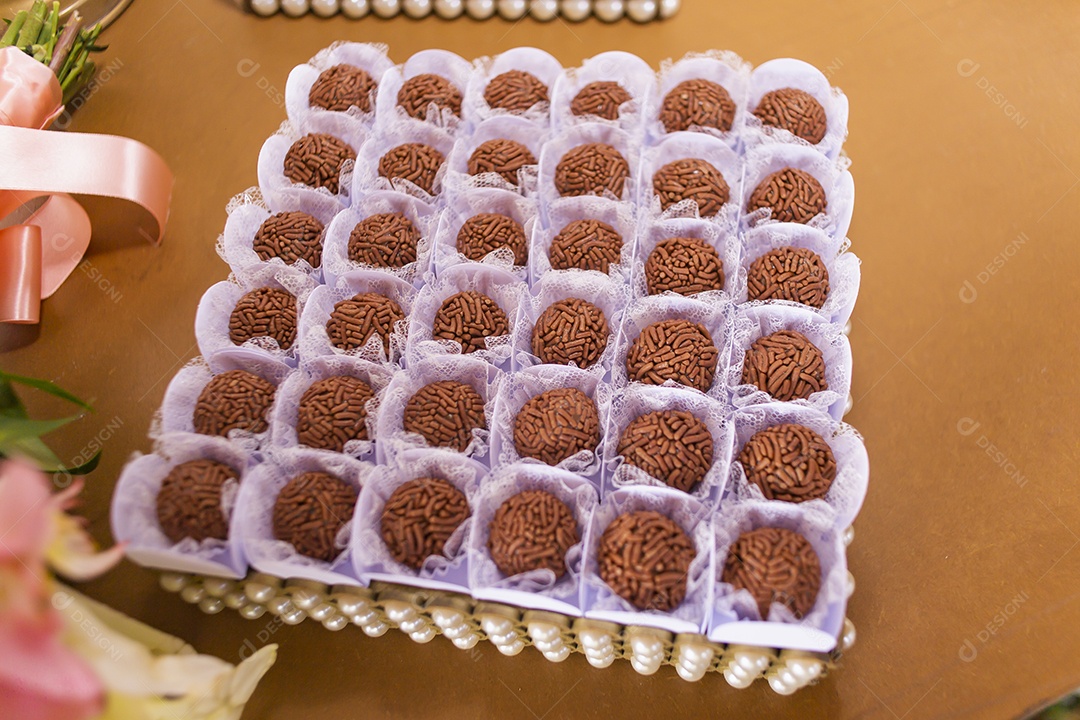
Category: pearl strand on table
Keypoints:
(543, 10)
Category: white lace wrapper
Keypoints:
(287, 400)
(531, 60)
(735, 618)
(601, 602)
(621, 216)
(366, 178)
(638, 400)
(443, 63)
(519, 387)
(605, 292)
(535, 589)
(371, 57)
(682, 146)
(848, 490)
(255, 508)
(460, 206)
(712, 313)
(505, 289)
(721, 237)
(372, 559)
(631, 72)
(722, 67)
(479, 375)
(833, 175)
(789, 73)
(217, 304)
(134, 508)
(843, 266)
(502, 127)
(581, 134)
(753, 323)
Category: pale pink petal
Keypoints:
(24, 511)
(41, 679)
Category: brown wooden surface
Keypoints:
(966, 154)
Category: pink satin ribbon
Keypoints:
(37, 255)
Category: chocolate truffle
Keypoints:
(469, 318)
(445, 413)
(332, 412)
(796, 111)
(420, 92)
(515, 90)
(416, 162)
(189, 501)
(501, 156)
(645, 558)
(342, 87)
(354, 320)
(290, 237)
(570, 331)
(673, 446)
(685, 266)
(792, 195)
(533, 530)
(384, 240)
(484, 233)
(788, 273)
(697, 103)
(235, 399)
(786, 365)
(676, 349)
(419, 517)
(555, 425)
(775, 565)
(310, 511)
(592, 169)
(789, 462)
(316, 159)
(602, 99)
(264, 312)
(691, 179)
(586, 245)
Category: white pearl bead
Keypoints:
(449, 9)
(193, 594)
(173, 582)
(264, 7)
(355, 8)
(641, 10)
(669, 7)
(259, 592)
(305, 599)
(294, 8)
(544, 10)
(211, 606)
(609, 10)
(324, 8)
(386, 8)
(335, 622)
(252, 612)
(601, 661)
(376, 630)
(512, 9)
(235, 600)
(480, 9)
(467, 642)
(575, 10)
(417, 8)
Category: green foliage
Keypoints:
(21, 437)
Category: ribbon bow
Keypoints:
(39, 253)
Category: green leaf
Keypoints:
(12, 429)
(35, 450)
(10, 404)
(46, 386)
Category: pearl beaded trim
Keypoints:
(543, 10)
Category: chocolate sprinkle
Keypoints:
(792, 195)
(789, 462)
(419, 517)
(316, 159)
(796, 111)
(697, 103)
(384, 240)
(501, 156)
(672, 446)
(485, 233)
(602, 99)
(291, 237)
(786, 365)
(685, 266)
(420, 92)
(777, 566)
(691, 179)
(469, 318)
(310, 511)
(445, 413)
(354, 320)
(533, 530)
(416, 162)
(788, 273)
(586, 245)
(332, 412)
(592, 169)
(189, 501)
(342, 87)
(235, 399)
(264, 312)
(570, 331)
(515, 90)
(557, 424)
(645, 558)
(678, 350)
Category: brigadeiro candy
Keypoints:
(672, 446)
(691, 179)
(487, 232)
(775, 565)
(586, 245)
(515, 90)
(291, 237)
(332, 412)
(384, 240)
(788, 273)
(416, 162)
(501, 156)
(786, 365)
(792, 195)
(570, 331)
(794, 110)
(264, 312)
(419, 517)
(789, 462)
(676, 349)
(685, 266)
(354, 320)
(310, 511)
(557, 424)
(700, 103)
(235, 399)
(602, 99)
(445, 413)
(189, 502)
(421, 91)
(316, 159)
(645, 558)
(469, 318)
(533, 530)
(342, 87)
(591, 169)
